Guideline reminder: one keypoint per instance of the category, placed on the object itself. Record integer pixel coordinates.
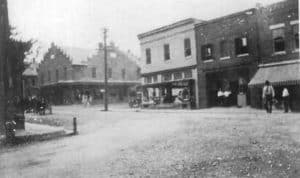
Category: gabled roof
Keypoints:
(77, 55)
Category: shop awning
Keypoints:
(287, 74)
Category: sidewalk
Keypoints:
(37, 132)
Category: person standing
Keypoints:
(285, 97)
(268, 95)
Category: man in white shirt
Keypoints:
(285, 97)
(268, 94)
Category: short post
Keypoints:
(10, 132)
(75, 132)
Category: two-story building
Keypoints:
(227, 55)
(65, 75)
(280, 64)
(169, 63)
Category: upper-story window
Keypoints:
(187, 47)
(167, 77)
(65, 73)
(148, 79)
(109, 72)
(241, 46)
(148, 56)
(224, 49)
(33, 82)
(207, 52)
(94, 72)
(167, 51)
(56, 75)
(296, 36)
(278, 39)
(123, 74)
(155, 79)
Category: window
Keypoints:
(207, 51)
(42, 78)
(148, 79)
(109, 72)
(167, 51)
(94, 72)
(188, 74)
(177, 75)
(123, 74)
(148, 56)
(296, 36)
(33, 82)
(224, 50)
(278, 39)
(241, 46)
(167, 77)
(138, 72)
(155, 78)
(187, 47)
(65, 73)
(49, 75)
(56, 75)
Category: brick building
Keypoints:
(227, 56)
(64, 81)
(280, 64)
(169, 62)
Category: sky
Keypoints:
(79, 23)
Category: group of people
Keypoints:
(268, 94)
(35, 105)
(86, 99)
(223, 97)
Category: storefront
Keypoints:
(224, 87)
(71, 92)
(171, 89)
(281, 76)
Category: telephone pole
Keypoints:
(105, 70)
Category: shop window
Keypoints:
(241, 46)
(296, 36)
(56, 75)
(123, 74)
(65, 73)
(167, 51)
(187, 47)
(207, 52)
(109, 72)
(148, 56)
(167, 77)
(177, 75)
(188, 74)
(224, 50)
(278, 39)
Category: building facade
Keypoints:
(169, 62)
(280, 64)
(227, 56)
(63, 82)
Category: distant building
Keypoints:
(169, 62)
(227, 55)
(280, 62)
(64, 82)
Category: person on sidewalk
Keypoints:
(268, 95)
(285, 97)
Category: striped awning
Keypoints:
(287, 74)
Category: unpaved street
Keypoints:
(204, 143)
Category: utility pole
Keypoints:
(105, 70)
